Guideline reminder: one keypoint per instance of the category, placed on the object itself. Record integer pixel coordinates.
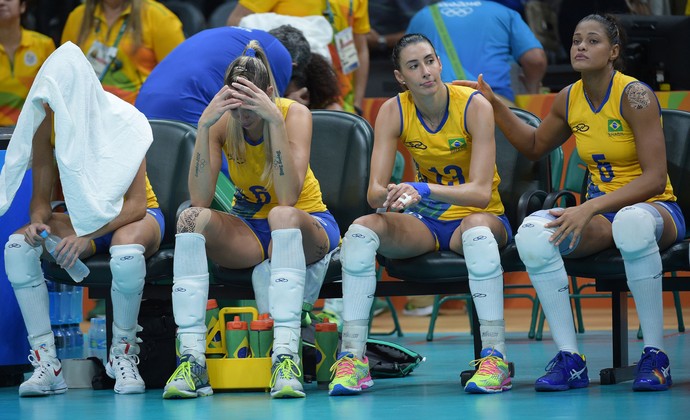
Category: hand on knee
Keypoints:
(22, 263)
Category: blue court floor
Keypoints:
(432, 391)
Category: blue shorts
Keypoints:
(673, 208)
(443, 229)
(262, 230)
(102, 243)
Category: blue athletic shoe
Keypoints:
(565, 371)
(653, 371)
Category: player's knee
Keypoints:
(636, 230)
(193, 219)
(128, 268)
(536, 251)
(358, 252)
(22, 263)
(481, 253)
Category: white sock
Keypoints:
(334, 306)
(46, 342)
(129, 278)
(644, 281)
(35, 306)
(487, 296)
(288, 275)
(355, 337)
(554, 296)
(286, 338)
(493, 335)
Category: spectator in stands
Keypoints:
(318, 87)
(24, 52)
(389, 20)
(349, 50)
(485, 38)
(630, 203)
(277, 213)
(123, 40)
(454, 205)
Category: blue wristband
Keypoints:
(421, 187)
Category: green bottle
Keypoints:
(212, 315)
(237, 339)
(261, 336)
(326, 340)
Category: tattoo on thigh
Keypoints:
(186, 223)
(278, 161)
(638, 96)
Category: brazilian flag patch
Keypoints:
(615, 126)
(455, 145)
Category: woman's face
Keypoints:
(420, 69)
(11, 10)
(247, 119)
(591, 48)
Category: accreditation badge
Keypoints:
(100, 56)
(347, 52)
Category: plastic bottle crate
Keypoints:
(230, 373)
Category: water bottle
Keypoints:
(78, 271)
(237, 339)
(261, 336)
(77, 305)
(97, 339)
(65, 303)
(212, 315)
(69, 342)
(54, 303)
(60, 345)
(77, 341)
(326, 341)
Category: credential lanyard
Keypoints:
(117, 42)
(447, 42)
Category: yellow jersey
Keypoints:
(17, 73)
(161, 33)
(253, 197)
(443, 156)
(340, 13)
(605, 141)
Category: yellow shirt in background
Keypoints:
(18, 74)
(161, 33)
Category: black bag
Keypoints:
(390, 360)
(157, 358)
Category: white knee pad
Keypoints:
(22, 263)
(358, 251)
(286, 294)
(190, 295)
(261, 277)
(636, 230)
(532, 240)
(128, 268)
(481, 253)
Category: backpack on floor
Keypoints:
(391, 360)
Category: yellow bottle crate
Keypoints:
(230, 373)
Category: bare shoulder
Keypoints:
(638, 95)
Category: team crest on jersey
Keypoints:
(457, 144)
(615, 127)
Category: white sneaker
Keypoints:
(47, 377)
(286, 376)
(122, 366)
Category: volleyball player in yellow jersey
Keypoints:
(22, 52)
(133, 235)
(123, 40)
(277, 212)
(630, 202)
(454, 204)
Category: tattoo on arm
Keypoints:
(278, 161)
(638, 96)
(199, 163)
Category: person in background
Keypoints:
(389, 20)
(277, 213)
(123, 40)
(22, 52)
(453, 205)
(349, 50)
(485, 38)
(630, 203)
